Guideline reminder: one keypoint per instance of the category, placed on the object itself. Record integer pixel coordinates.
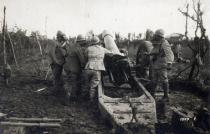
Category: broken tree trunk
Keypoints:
(6, 66)
(4, 42)
(40, 49)
(13, 51)
(186, 25)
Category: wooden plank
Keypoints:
(130, 112)
(143, 79)
(126, 88)
(127, 102)
(159, 94)
(13, 130)
(34, 119)
(140, 86)
(2, 115)
(24, 124)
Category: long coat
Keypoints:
(75, 59)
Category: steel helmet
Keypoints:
(80, 38)
(160, 32)
(95, 40)
(61, 36)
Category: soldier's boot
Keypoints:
(166, 91)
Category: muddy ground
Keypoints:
(20, 99)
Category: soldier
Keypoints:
(74, 64)
(162, 58)
(56, 61)
(95, 54)
(143, 58)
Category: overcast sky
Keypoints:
(79, 16)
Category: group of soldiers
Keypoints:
(154, 59)
(83, 62)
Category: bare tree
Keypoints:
(200, 43)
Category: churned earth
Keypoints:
(20, 99)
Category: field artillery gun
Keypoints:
(124, 101)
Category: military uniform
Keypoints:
(143, 59)
(56, 60)
(74, 63)
(95, 55)
(162, 57)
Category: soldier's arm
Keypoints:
(138, 51)
(168, 52)
(86, 54)
(60, 54)
(80, 53)
(106, 50)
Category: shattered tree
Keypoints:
(200, 45)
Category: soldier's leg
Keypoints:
(79, 84)
(67, 88)
(154, 79)
(146, 73)
(53, 68)
(150, 73)
(73, 79)
(94, 82)
(70, 85)
(163, 76)
(57, 76)
(85, 85)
